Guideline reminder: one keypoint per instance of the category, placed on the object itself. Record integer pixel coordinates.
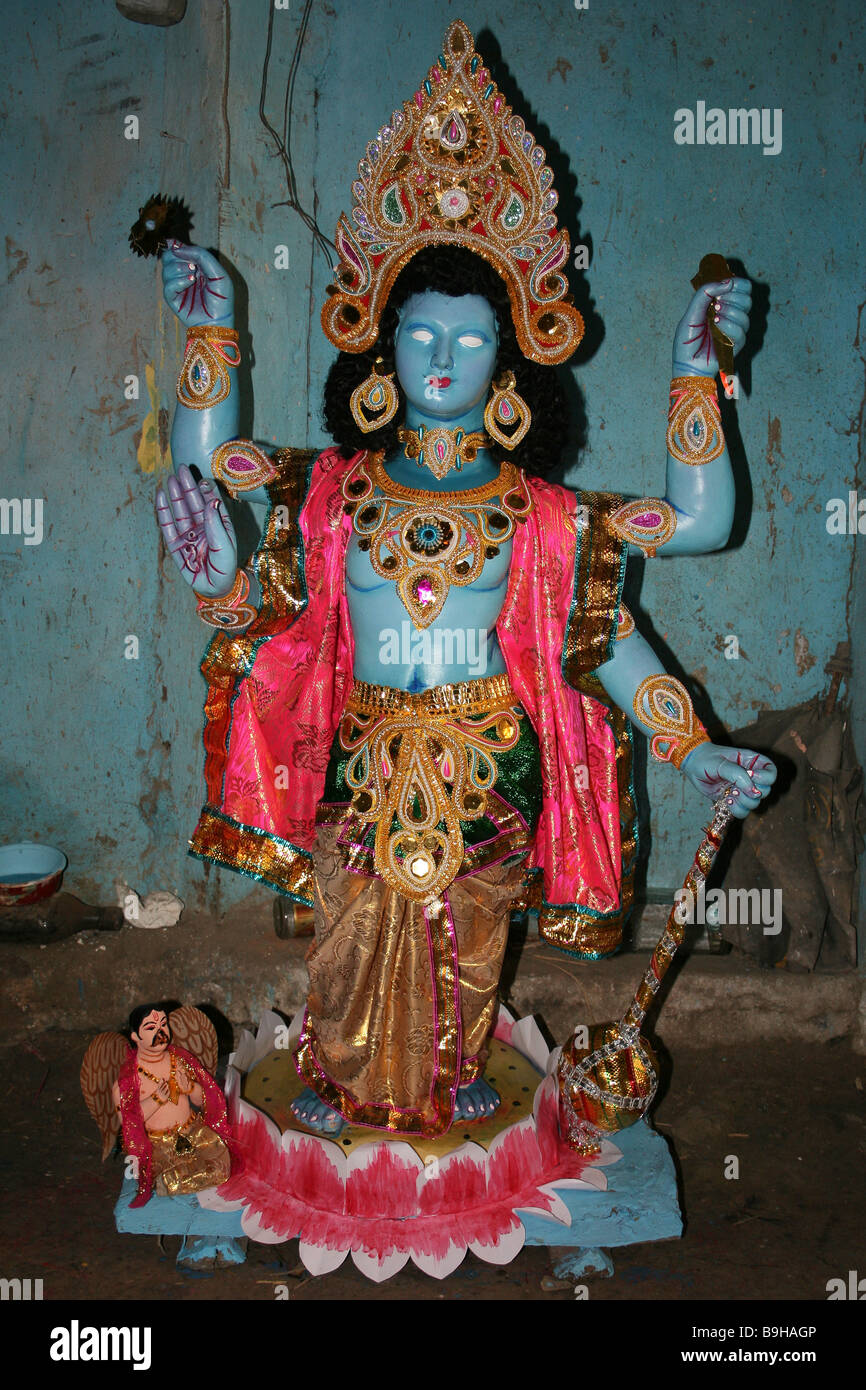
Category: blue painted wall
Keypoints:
(101, 754)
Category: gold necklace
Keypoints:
(173, 1088)
(426, 541)
(441, 449)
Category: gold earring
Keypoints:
(504, 408)
(378, 395)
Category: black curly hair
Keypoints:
(451, 270)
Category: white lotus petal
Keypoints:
(210, 1199)
(266, 1035)
(505, 1249)
(549, 1086)
(553, 1060)
(609, 1154)
(253, 1228)
(244, 1054)
(559, 1211)
(232, 1090)
(527, 1037)
(380, 1270)
(440, 1266)
(318, 1259)
(593, 1179)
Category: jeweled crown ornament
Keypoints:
(455, 167)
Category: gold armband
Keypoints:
(663, 704)
(229, 611)
(241, 466)
(648, 522)
(694, 423)
(204, 379)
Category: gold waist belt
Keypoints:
(419, 763)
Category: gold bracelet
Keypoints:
(663, 704)
(229, 611)
(204, 379)
(694, 423)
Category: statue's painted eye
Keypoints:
(421, 335)
(470, 340)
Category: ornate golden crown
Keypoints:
(455, 167)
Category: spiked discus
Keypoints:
(608, 1081)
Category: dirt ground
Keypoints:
(793, 1117)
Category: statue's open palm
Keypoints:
(195, 286)
(198, 533)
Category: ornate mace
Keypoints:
(609, 1081)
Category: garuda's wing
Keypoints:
(100, 1069)
(193, 1030)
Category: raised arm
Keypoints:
(697, 511)
(660, 705)
(194, 520)
(198, 290)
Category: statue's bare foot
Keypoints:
(475, 1101)
(314, 1113)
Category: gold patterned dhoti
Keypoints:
(403, 992)
(188, 1158)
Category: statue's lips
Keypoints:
(440, 381)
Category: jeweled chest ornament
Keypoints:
(427, 541)
(455, 166)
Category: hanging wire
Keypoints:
(283, 142)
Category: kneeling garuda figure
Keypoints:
(420, 702)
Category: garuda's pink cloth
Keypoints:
(277, 691)
(135, 1137)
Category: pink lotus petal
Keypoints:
(504, 1024)
(383, 1178)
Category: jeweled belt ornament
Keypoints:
(606, 1082)
(427, 541)
(427, 768)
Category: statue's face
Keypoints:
(445, 352)
(153, 1032)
